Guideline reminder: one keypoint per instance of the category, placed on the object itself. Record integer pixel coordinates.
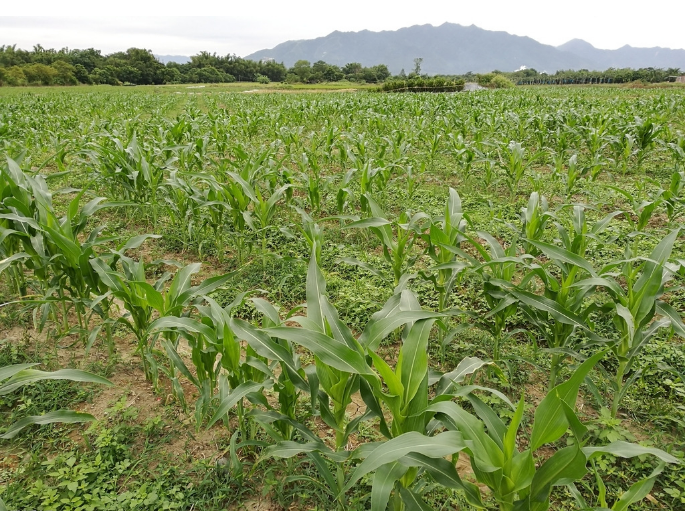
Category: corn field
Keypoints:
(492, 281)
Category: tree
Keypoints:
(382, 72)
(417, 65)
(353, 68)
(65, 73)
(302, 70)
(40, 73)
(81, 74)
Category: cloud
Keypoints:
(245, 27)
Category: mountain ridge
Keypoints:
(451, 48)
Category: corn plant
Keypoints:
(397, 238)
(641, 211)
(496, 271)
(534, 220)
(646, 133)
(498, 460)
(56, 249)
(623, 147)
(636, 306)
(445, 234)
(677, 150)
(141, 299)
(130, 171)
(260, 218)
(564, 310)
(512, 159)
(674, 196)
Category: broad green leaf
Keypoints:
(413, 502)
(563, 467)
(445, 474)
(638, 490)
(551, 307)
(628, 450)
(467, 366)
(205, 287)
(33, 375)
(412, 363)
(181, 281)
(550, 421)
(383, 483)
(64, 416)
(563, 255)
(184, 324)
(7, 262)
(316, 287)
(496, 428)
(330, 351)
(266, 347)
(11, 370)
(392, 382)
(438, 446)
(178, 363)
(236, 395)
(368, 222)
(648, 286)
(135, 242)
(512, 431)
(267, 310)
(676, 319)
(288, 449)
(377, 330)
(485, 451)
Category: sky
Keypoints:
(244, 27)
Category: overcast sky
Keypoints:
(247, 26)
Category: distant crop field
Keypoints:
(214, 298)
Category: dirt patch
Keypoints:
(262, 504)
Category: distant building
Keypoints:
(678, 79)
(267, 60)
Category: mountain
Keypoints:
(626, 56)
(447, 49)
(455, 49)
(179, 59)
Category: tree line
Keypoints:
(41, 66)
(585, 76)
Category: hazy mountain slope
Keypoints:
(179, 59)
(448, 49)
(626, 56)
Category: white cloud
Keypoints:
(245, 27)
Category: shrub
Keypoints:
(501, 82)
(262, 79)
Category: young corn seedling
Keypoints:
(534, 220)
(564, 309)
(636, 306)
(498, 459)
(141, 299)
(646, 133)
(497, 271)
(260, 218)
(444, 236)
(397, 238)
(512, 159)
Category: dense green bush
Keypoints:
(420, 84)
